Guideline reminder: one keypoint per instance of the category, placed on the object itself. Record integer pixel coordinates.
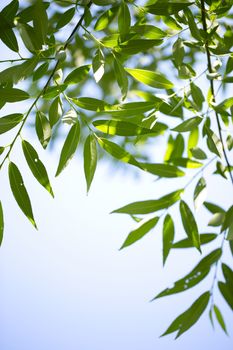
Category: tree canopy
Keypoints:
(145, 83)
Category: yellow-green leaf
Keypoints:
(147, 77)
(90, 159)
(189, 224)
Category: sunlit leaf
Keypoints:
(220, 318)
(90, 159)
(121, 128)
(163, 169)
(20, 193)
(188, 125)
(98, 65)
(200, 193)
(55, 111)
(187, 242)
(164, 8)
(124, 19)
(168, 236)
(156, 80)
(189, 224)
(9, 122)
(43, 129)
(77, 75)
(40, 22)
(121, 77)
(106, 18)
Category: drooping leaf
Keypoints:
(77, 75)
(149, 31)
(178, 51)
(226, 291)
(54, 91)
(195, 276)
(163, 169)
(187, 242)
(19, 192)
(156, 80)
(150, 206)
(12, 95)
(200, 193)
(188, 318)
(121, 77)
(90, 159)
(98, 63)
(143, 227)
(220, 318)
(69, 147)
(188, 125)
(197, 96)
(106, 18)
(43, 129)
(1, 223)
(213, 208)
(168, 236)
(10, 121)
(55, 111)
(37, 167)
(40, 22)
(189, 224)
(65, 18)
(124, 19)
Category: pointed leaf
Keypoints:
(150, 206)
(188, 125)
(156, 80)
(168, 236)
(162, 170)
(98, 65)
(9, 122)
(69, 147)
(90, 159)
(124, 19)
(106, 18)
(164, 8)
(220, 318)
(187, 243)
(12, 95)
(65, 18)
(121, 128)
(43, 129)
(37, 167)
(55, 111)
(20, 193)
(1, 223)
(142, 229)
(77, 75)
(189, 224)
(121, 77)
(200, 193)
(40, 22)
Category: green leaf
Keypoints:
(106, 18)
(149, 31)
(91, 104)
(213, 208)
(189, 224)
(28, 35)
(40, 71)
(37, 167)
(200, 193)
(77, 75)
(164, 8)
(18, 72)
(217, 219)
(65, 18)
(220, 318)
(192, 24)
(10, 10)
(13, 95)
(9, 39)
(228, 220)
(98, 63)
(187, 242)
(40, 22)
(150, 206)
(226, 291)
(121, 128)
(10, 121)
(20, 193)
(197, 95)
(168, 236)
(193, 140)
(178, 51)
(124, 19)
(213, 142)
(1, 223)
(186, 163)
(229, 142)
(117, 152)
(55, 111)
(188, 318)
(121, 77)
(132, 47)
(198, 153)
(69, 147)
(143, 227)
(156, 80)
(43, 129)
(54, 91)
(90, 159)
(163, 169)
(194, 277)
(188, 125)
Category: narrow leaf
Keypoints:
(90, 159)
(187, 242)
(43, 129)
(150, 78)
(98, 65)
(189, 224)
(12, 95)
(9, 122)
(163, 170)
(1, 223)
(188, 125)
(168, 236)
(220, 318)
(200, 193)
(77, 75)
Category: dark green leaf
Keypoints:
(20, 193)
(41, 71)
(164, 8)
(69, 147)
(198, 153)
(9, 39)
(213, 208)
(156, 80)
(142, 229)
(168, 236)
(228, 220)
(188, 318)
(132, 47)
(220, 318)
(188, 125)
(197, 96)
(149, 31)
(40, 22)
(19, 72)
(54, 91)
(9, 122)
(124, 19)
(12, 95)
(150, 206)
(121, 77)
(65, 18)
(90, 159)
(187, 242)
(226, 292)
(55, 111)
(178, 51)
(43, 129)
(37, 167)
(77, 75)
(200, 193)
(189, 224)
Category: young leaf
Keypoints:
(188, 318)
(37, 167)
(142, 229)
(106, 18)
(220, 318)
(194, 277)
(156, 80)
(189, 224)
(13, 95)
(69, 147)
(187, 242)
(162, 169)
(77, 75)
(150, 206)
(168, 236)
(19, 192)
(200, 193)
(90, 159)
(98, 65)
(43, 129)
(9, 122)
(1, 223)
(188, 125)
(117, 152)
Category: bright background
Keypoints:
(67, 286)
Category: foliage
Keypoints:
(102, 68)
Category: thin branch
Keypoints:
(45, 86)
(210, 69)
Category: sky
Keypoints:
(68, 286)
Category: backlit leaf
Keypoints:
(164, 8)
(188, 125)
(121, 77)
(40, 22)
(162, 169)
(200, 193)
(220, 318)
(189, 224)
(77, 75)
(156, 80)
(65, 18)
(98, 65)
(168, 236)
(90, 159)
(121, 128)
(43, 129)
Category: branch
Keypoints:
(210, 69)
